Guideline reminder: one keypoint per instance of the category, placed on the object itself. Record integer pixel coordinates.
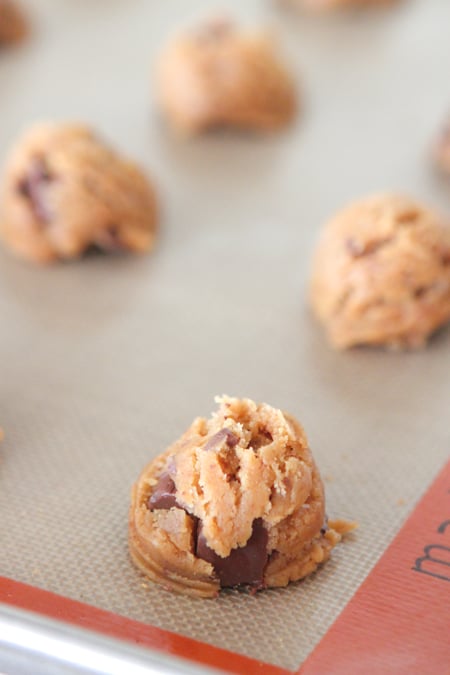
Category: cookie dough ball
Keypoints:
(381, 274)
(65, 192)
(217, 76)
(237, 500)
(13, 25)
(442, 149)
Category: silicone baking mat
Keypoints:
(106, 361)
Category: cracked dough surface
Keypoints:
(218, 76)
(65, 191)
(236, 500)
(381, 273)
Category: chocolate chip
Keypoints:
(223, 435)
(262, 438)
(354, 247)
(108, 239)
(34, 186)
(164, 494)
(420, 291)
(244, 565)
(358, 249)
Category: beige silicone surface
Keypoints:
(105, 361)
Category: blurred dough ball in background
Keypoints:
(381, 273)
(65, 192)
(13, 23)
(216, 76)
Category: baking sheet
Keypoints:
(105, 361)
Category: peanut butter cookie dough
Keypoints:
(13, 25)
(64, 192)
(381, 274)
(218, 76)
(237, 500)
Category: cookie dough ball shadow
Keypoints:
(82, 296)
(68, 199)
(222, 157)
(222, 97)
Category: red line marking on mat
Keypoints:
(399, 619)
(85, 616)
(397, 622)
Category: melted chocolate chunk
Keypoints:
(223, 435)
(164, 494)
(33, 187)
(244, 565)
